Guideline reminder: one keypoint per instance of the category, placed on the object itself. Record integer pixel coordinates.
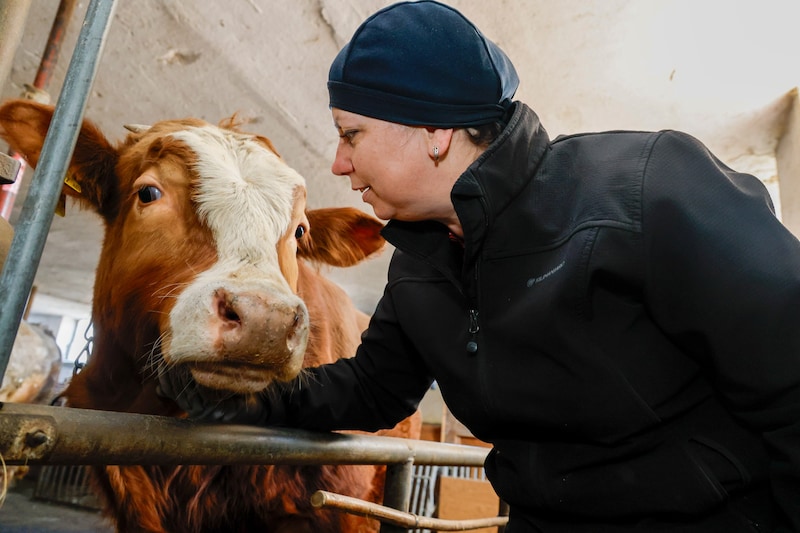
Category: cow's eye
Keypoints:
(148, 194)
(299, 232)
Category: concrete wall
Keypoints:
(787, 155)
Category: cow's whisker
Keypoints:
(153, 360)
(170, 290)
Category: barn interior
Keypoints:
(724, 71)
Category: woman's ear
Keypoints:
(439, 142)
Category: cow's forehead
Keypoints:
(245, 192)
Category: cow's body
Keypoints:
(199, 269)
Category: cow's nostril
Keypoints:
(295, 332)
(291, 331)
(231, 315)
(224, 308)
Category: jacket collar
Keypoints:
(498, 176)
(484, 190)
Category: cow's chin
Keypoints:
(238, 378)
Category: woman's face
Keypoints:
(390, 165)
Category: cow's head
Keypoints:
(204, 226)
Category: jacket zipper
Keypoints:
(474, 322)
(485, 376)
(474, 328)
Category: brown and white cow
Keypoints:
(203, 264)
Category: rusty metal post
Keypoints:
(397, 491)
(54, 40)
(37, 212)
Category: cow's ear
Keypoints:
(340, 236)
(24, 124)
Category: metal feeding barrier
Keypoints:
(39, 434)
(67, 485)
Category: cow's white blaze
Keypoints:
(246, 195)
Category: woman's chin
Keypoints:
(380, 211)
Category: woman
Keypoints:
(615, 313)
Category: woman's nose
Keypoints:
(342, 165)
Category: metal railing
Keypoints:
(47, 435)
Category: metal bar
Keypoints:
(37, 212)
(400, 519)
(397, 491)
(43, 434)
(503, 511)
(53, 48)
(418, 501)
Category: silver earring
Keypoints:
(436, 153)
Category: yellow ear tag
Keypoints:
(71, 183)
(61, 206)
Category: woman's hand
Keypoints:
(202, 403)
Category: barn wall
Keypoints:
(788, 163)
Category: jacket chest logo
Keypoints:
(538, 279)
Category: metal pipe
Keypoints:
(402, 520)
(504, 511)
(397, 491)
(53, 47)
(42, 434)
(37, 212)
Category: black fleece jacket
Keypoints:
(621, 323)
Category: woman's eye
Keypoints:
(299, 232)
(148, 194)
(348, 135)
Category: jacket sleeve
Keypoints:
(724, 284)
(379, 387)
